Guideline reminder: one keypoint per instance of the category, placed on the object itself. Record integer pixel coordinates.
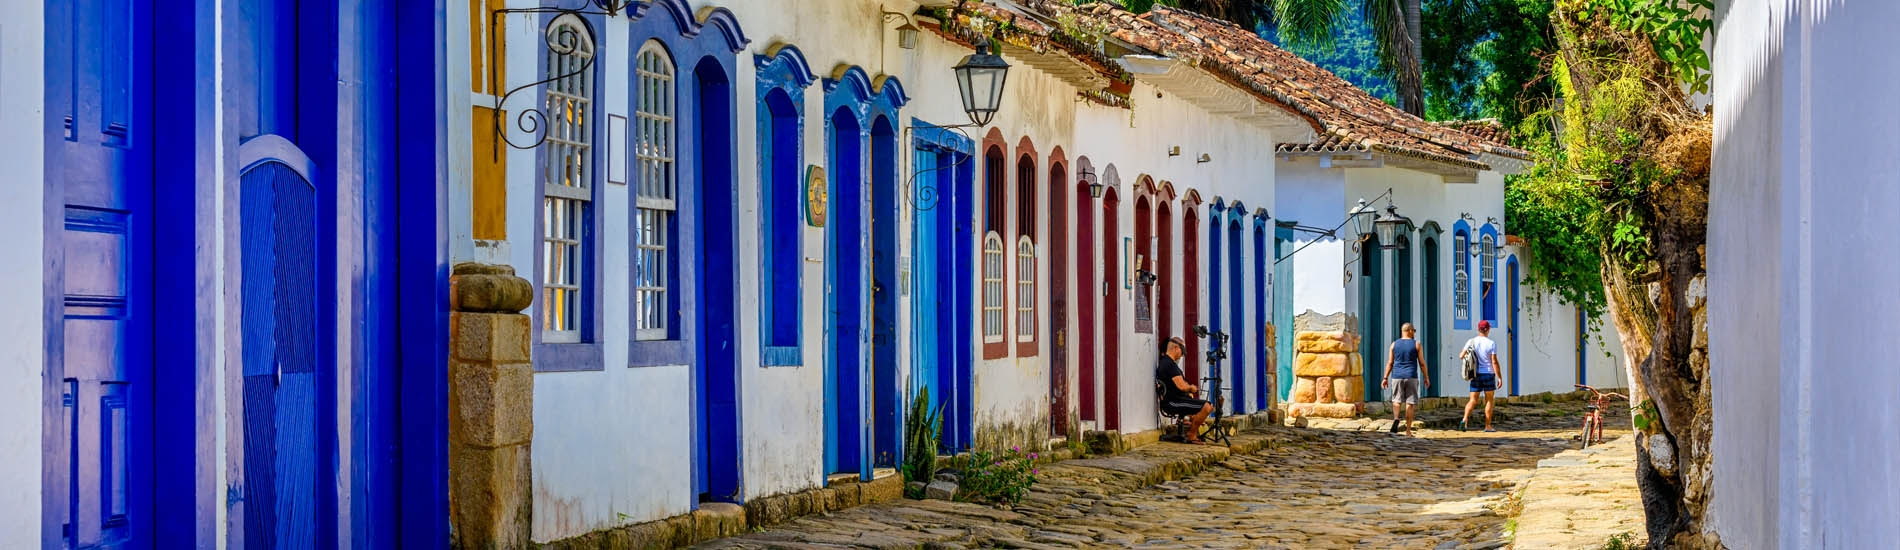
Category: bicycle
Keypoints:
(1215, 431)
(1593, 416)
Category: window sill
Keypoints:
(581, 357)
(782, 356)
(658, 353)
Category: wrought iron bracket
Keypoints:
(926, 197)
(564, 40)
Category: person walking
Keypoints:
(1489, 377)
(1402, 364)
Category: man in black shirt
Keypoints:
(1177, 397)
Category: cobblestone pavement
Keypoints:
(1581, 498)
(1351, 485)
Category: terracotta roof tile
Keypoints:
(1346, 117)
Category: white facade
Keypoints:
(1801, 285)
(22, 213)
(612, 445)
(1318, 191)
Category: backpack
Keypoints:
(1471, 361)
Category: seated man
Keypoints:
(1178, 395)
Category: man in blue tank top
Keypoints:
(1402, 365)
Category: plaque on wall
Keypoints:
(815, 196)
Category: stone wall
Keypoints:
(1327, 372)
(491, 408)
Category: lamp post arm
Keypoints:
(1334, 232)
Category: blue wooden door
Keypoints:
(278, 250)
(1236, 307)
(100, 350)
(1283, 248)
(1511, 269)
(926, 192)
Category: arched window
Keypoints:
(995, 253)
(1461, 279)
(992, 287)
(782, 79)
(568, 184)
(1025, 290)
(654, 228)
(1026, 254)
(1488, 270)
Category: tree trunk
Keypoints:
(1413, 100)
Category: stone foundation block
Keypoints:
(716, 520)
(1323, 389)
(1322, 410)
(1349, 389)
(884, 489)
(1323, 364)
(489, 337)
(1324, 342)
(1303, 391)
(493, 404)
(491, 505)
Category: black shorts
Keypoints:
(1182, 406)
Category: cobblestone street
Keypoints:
(1336, 484)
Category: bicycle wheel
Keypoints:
(1584, 442)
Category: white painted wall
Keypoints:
(1802, 284)
(22, 215)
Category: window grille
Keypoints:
(1488, 260)
(567, 182)
(1025, 290)
(993, 310)
(654, 204)
(1460, 278)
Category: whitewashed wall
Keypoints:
(1802, 277)
(1240, 168)
(22, 213)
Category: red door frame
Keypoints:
(1090, 290)
(1111, 309)
(1190, 287)
(1058, 324)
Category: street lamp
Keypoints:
(980, 78)
(1361, 217)
(1095, 185)
(1389, 226)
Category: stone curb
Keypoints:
(720, 520)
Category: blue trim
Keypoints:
(418, 136)
(1461, 263)
(781, 192)
(1262, 287)
(1236, 304)
(1511, 266)
(1490, 296)
(585, 355)
(688, 25)
(679, 34)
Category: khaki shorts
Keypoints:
(1404, 391)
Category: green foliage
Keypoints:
(1675, 29)
(1644, 414)
(922, 429)
(998, 478)
(1352, 52)
(1620, 541)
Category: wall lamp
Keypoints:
(906, 33)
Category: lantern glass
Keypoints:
(980, 79)
(1361, 218)
(907, 36)
(1390, 226)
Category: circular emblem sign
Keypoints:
(815, 196)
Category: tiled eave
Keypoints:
(1217, 96)
(1335, 152)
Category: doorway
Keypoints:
(1236, 306)
(1433, 325)
(942, 299)
(1058, 326)
(716, 368)
(1111, 310)
(886, 393)
(1093, 289)
(844, 299)
(1510, 269)
(1371, 317)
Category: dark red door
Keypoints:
(1111, 310)
(1085, 300)
(1058, 324)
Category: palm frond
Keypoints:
(1308, 22)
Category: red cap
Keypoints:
(1484, 325)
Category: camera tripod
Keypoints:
(1216, 351)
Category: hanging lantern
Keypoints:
(980, 78)
(1362, 218)
(1392, 228)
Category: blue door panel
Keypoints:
(278, 250)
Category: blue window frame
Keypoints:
(674, 62)
(783, 76)
(567, 227)
(1461, 275)
(1488, 269)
